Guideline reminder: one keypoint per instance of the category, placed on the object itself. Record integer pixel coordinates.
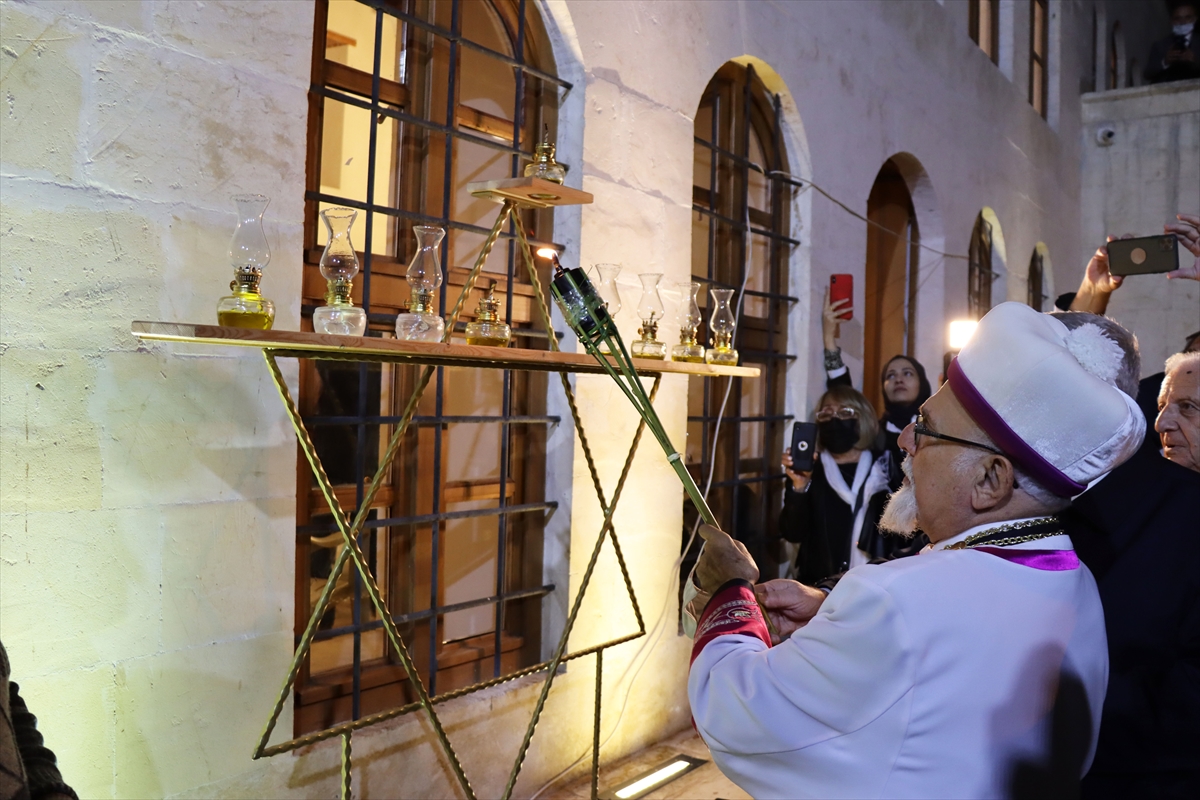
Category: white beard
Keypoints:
(900, 514)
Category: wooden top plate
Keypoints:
(533, 192)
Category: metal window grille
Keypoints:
(741, 203)
(402, 103)
(979, 270)
(1036, 283)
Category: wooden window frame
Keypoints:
(992, 48)
(1039, 57)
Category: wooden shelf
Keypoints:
(533, 192)
(317, 345)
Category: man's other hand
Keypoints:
(1187, 229)
(723, 559)
(789, 604)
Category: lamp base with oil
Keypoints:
(487, 330)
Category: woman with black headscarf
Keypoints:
(905, 387)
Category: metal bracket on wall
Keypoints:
(351, 529)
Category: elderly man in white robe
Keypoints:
(976, 668)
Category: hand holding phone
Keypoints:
(799, 460)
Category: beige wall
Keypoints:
(148, 492)
(1147, 174)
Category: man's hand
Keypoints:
(789, 605)
(1098, 283)
(723, 559)
(829, 321)
(1187, 229)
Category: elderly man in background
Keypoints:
(974, 669)
(1138, 531)
(1178, 422)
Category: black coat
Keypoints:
(1158, 72)
(820, 522)
(1139, 533)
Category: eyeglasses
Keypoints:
(845, 412)
(921, 429)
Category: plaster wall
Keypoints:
(148, 492)
(1149, 173)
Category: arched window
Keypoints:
(741, 200)
(409, 102)
(979, 271)
(1036, 281)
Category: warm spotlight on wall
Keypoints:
(960, 333)
(656, 778)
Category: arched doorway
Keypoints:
(890, 293)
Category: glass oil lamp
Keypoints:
(487, 330)
(339, 264)
(721, 324)
(249, 254)
(650, 311)
(543, 165)
(606, 287)
(689, 323)
(424, 276)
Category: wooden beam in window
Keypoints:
(346, 498)
(490, 124)
(335, 39)
(349, 79)
(468, 491)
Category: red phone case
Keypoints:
(841, 287)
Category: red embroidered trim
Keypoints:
(732, 610)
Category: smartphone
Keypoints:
(841, 287)
(1143, 256)
(804, 446)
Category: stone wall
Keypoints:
(1134, 183)
(148, 491)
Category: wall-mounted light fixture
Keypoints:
(647, 782)
(960, 333)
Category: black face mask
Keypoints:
(838, 435)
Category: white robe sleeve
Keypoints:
(848, 666)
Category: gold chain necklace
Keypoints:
(974, 539)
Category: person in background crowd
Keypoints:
(905, 386)
(833, 511)
(974, 669)
(1177, 57)
(1178, 423)
(1137, 528)
(28, 769)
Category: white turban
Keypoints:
(1047, 396)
